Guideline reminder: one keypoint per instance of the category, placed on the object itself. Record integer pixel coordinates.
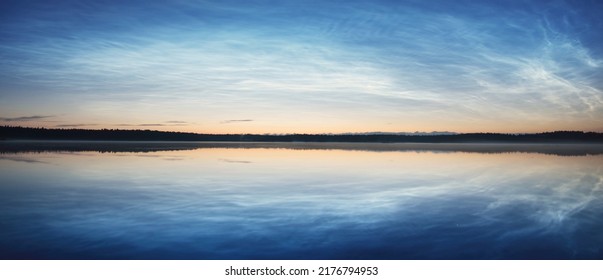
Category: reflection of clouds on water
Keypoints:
(158, 156)
(22, 159)
(173, 159)
(234, 161)
(549, 203)
(305, 204)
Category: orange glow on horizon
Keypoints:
(308, 125)
(324, 129)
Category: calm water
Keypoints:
(296, 201)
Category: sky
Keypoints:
(311, 66)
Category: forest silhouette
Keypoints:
(29, 133)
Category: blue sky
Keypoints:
(303, 66)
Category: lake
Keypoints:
(159, 200)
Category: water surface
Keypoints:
(91, 200)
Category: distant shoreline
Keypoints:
(49, 134)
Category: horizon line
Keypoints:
(401, 133)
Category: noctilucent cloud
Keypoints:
(303, 66)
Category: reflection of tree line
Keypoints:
(12, 147)
(12, 132)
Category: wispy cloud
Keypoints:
(429, 66)
(141, 124)
(167, 123)
(76, 125)
(25, 118)
(151, 124)
(235, 121)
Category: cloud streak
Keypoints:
(235, 121)
(167, 123)
(76, 125)
(25, 118)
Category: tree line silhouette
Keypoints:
(30, 133)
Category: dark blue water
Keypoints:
(269, 203)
